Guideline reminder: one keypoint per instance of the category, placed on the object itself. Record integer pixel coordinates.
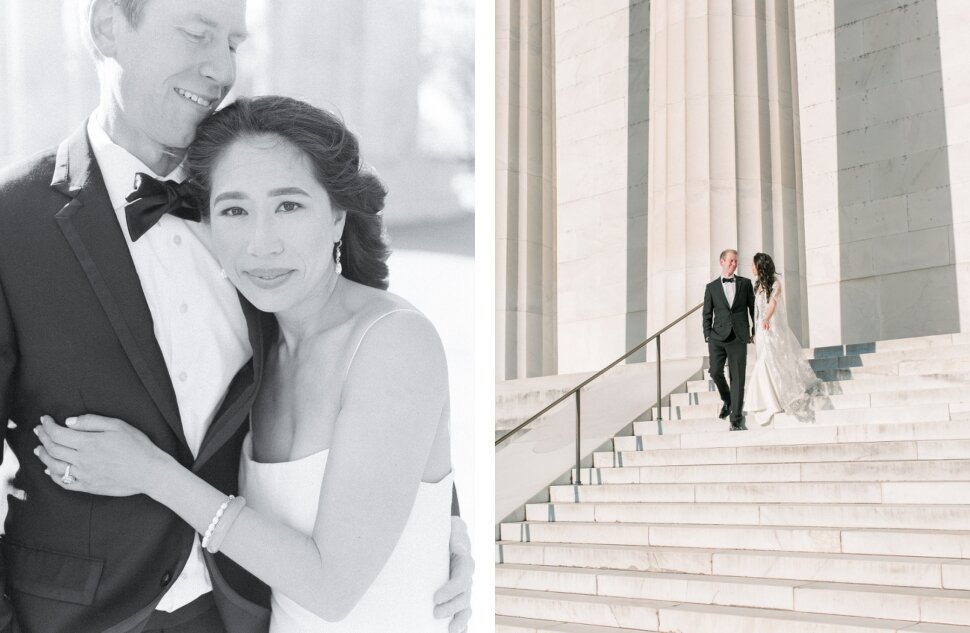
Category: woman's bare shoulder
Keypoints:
(371, 306)
(389, 323)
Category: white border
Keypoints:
(483, 533)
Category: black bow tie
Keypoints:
(152, 199)
(727, 280)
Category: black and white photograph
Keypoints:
(237, 251)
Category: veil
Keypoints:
(793, 381)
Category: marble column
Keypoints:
(723, 155)
(602, 93)
(525, 197)
(954, 25)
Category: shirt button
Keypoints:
(177, 239)
(183, 376)
(183, 308)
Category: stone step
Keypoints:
(638, 615)
(844, 515)
(878, 492)
(653, 615)
(959, 350)
(904, 368)
(646, 440)
(885, 390)
(894, 362)
(902, 571)
(927, 470)
(936, 412)
(881, 400)
(845, 381)
(892, 345)
(711, 410)
(952, 412)
(801, 453)
(942, 606)
(892, 357)
(878, 541)
(508, 624)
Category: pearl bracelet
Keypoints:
(215, 521)
(232, 513)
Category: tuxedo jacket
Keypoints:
(76, 336)
(721, 318)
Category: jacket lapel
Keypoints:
(238, 402)
(719, 292)
(92, 230)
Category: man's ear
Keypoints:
(101, 25)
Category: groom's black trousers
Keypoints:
(734, 351)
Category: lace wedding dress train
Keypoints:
(782, 380)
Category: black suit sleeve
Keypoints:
(751, 308)
(708, 315)
(8, 365)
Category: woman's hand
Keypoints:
(106, 456)
(764, 325)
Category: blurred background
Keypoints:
(401, 74)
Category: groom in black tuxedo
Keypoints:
(728, 328)
(89, 315)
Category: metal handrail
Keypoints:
(575, 390)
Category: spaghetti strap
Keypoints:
(363, 335)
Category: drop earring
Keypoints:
(336, 256)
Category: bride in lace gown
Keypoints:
(782, 380)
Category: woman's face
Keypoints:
(273, 227)
(754, 270)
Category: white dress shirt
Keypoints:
(730, 289)
(199, 324)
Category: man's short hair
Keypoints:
(131, 9)
(725, 252)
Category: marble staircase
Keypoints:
(857, 522)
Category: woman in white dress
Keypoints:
(345, 482)
(782, 380)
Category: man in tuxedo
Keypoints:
(140, 328)
(728, 328)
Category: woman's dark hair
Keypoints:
(334, 156)
(766, 272)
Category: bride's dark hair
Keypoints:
(334, 156)
(766, 272)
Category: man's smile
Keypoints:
(205, 102)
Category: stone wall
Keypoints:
(879, 208)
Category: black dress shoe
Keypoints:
(725, 410)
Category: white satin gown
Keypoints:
(401, 597)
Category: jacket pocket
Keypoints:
(47, 574)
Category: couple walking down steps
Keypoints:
(737, 312)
